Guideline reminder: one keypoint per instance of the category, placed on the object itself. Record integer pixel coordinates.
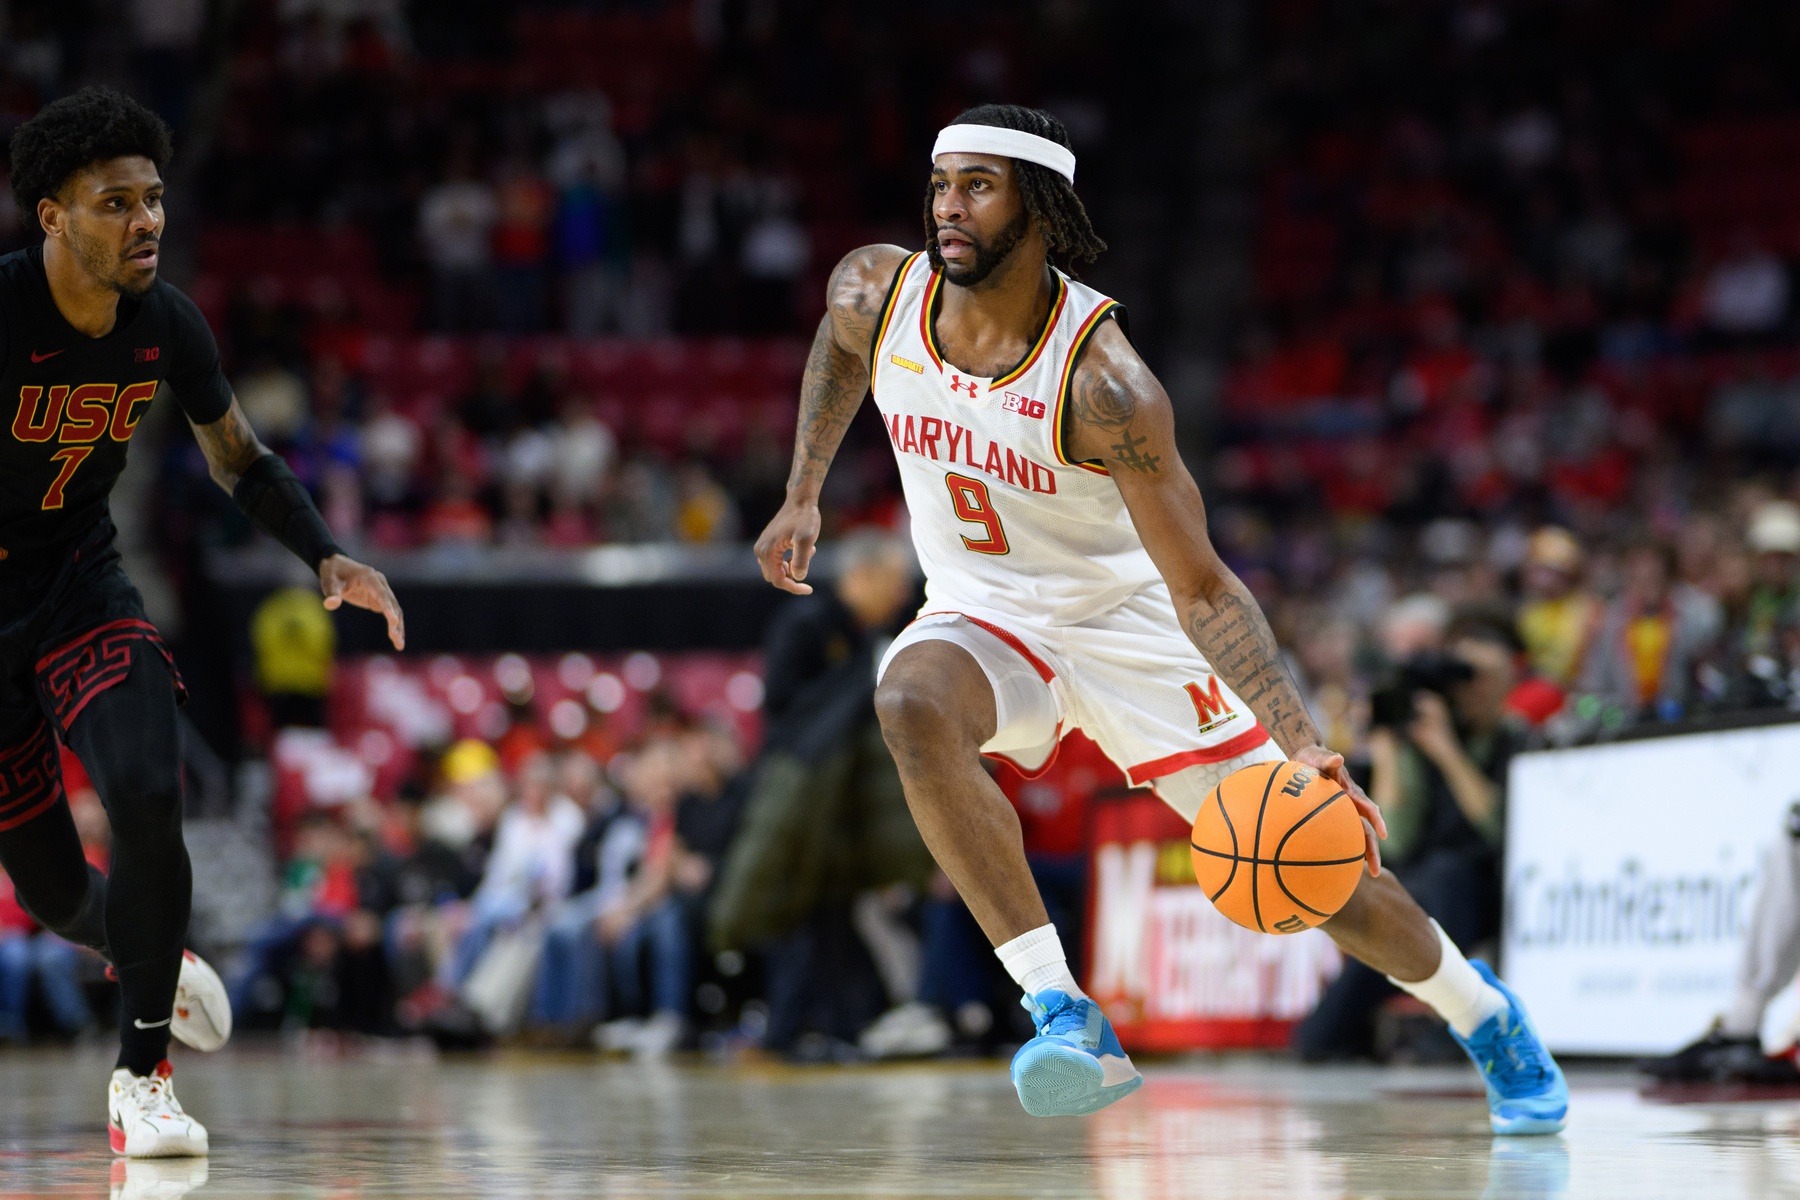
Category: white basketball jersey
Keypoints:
(1001, 518)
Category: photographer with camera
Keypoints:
(1439, 743)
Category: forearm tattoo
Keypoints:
(230, 447)
(833, 386)
(1103, 402)
(1232, 632)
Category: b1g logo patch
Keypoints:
(1025, 406)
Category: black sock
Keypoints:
(146, 998)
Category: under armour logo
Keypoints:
(957, 385)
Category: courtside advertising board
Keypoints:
(1632, 871)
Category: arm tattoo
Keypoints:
(1127, 455)
(230, 446)
(1102, 401)
(835, 381)
(1232, 632)
(830, 393)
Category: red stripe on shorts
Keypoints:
(1243, 743)
(1037, 664)
(71, 675)
(30, 778)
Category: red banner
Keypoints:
(1169, 970)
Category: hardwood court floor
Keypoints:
(517, 1125)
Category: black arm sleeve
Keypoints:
(196, 375)
(278, 504)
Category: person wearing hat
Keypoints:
(1558, 619)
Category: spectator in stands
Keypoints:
(643, 923)
(1559, 617)
(571, 992)
(1413, 625)
(290, 980)
(529, 869)
(707, 512)
(1335, 696)
(391, 448)
(296, 646)
(456, 226)
(524, 207)
(587, 167)
(455, 517)
(776, 252)
(1439, 776)
(1642, 660)
(1756, 663)
(1745, 297)
(445, 845)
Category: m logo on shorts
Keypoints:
(1210, 705)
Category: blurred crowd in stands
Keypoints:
(1508, 451)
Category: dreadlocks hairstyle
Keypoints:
(1050, 200)
(89, 126)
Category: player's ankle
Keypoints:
(1455, 991)
(1036, 961)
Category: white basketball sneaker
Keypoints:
(145, 1120)
(202, 1016)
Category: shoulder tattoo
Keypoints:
(1101, 400)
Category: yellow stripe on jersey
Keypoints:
(926, 331)
(887, 309)
(1068, 379)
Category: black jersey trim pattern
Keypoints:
(70, 676)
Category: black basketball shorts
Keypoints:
(68, 631)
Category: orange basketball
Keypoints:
(1278, 847)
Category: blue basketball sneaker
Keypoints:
(1526, 1091)
(1075, 1065)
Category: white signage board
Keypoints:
(1632, 872)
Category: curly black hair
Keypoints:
(1050, 199)
(92, 125)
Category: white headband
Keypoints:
(1010, 143)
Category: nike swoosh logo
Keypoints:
(38, 358)
(152, 1024)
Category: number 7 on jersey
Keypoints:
(969, 501)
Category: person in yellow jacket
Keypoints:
(1558, 620)
(296, 647)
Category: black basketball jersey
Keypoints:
(70, 403)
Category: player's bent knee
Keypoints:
(914, 716)
(142, 807)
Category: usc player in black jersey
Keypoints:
(88, 336)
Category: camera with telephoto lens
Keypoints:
(1393, 705)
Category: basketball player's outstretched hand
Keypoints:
(795, 528)
(343, 579)
(1374, 828)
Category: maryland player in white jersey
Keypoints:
(1070, 584)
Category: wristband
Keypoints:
(278, 504)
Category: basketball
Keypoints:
(1278, 847)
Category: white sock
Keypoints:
(1745, 1016)
(1455, 991)
(1036, 962)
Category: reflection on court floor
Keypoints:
(1228, 1128)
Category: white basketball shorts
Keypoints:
(1129, 679)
